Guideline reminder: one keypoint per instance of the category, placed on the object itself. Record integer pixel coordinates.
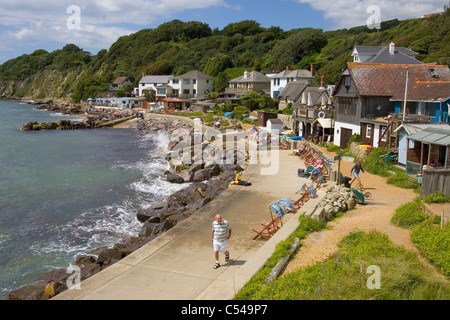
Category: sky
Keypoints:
(26, 25)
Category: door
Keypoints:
(402, 147)
(346, 134)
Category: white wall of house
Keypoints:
(338, 129)
(191, 86)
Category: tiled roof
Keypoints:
(253, 76)
(299, 73)
(389, 80)
(195, 74)
(155, 79)
(120, 80)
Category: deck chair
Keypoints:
(287, 204)
(304, 196)
(269, 227)
(319, 182)
(312, 191)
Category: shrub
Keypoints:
(434, 243)
(437, 197)
(409, 214)
(333, 148)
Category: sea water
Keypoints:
(65, 193)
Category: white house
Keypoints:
(281, 79)
(191, 84)
(151, 83)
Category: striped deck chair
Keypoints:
(269, 227)
(287, 204)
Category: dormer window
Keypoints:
(347, 81)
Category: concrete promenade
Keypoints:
(178, 265)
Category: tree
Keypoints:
(252, 101)
(298, 45)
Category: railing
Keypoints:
(312, 114)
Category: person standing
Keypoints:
(221, 232)
(357, 168)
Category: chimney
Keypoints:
(246, 74)
(313, 70)
(392, 48)
(322, 82)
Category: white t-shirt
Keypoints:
(221, 230)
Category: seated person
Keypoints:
(317, 169)
(239, 181)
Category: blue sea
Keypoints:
(65, 193)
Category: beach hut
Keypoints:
(275, 126)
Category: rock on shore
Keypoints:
(203, 181)
(91, 121)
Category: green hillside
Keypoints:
(177, 47)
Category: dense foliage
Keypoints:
(177, 47)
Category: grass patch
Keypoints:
(256, 283)
(345, 275)
(436, 197)
(376, 164)
(434, 243)
(409, 214)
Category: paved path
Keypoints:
(178, 265)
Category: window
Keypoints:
(187, 81)
(186, 91)
(194, 91)
(194, 81)
(347, 106)
(176, 81)
(161, 91)
(383, 135)
(369, 131)
(347, 81)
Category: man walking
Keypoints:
(221, 232)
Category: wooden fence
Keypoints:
(435, 180)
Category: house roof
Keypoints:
(299, 73)
(195, 74)
(313, 93)
(293, 90)
(376, 50)
(155, 79)
(120, 80)
(399, 57)
(253, 76)
(412, 128)
(439, 136)
(426, 82)
(275, 121)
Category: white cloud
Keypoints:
(102, 22)
(352, 13)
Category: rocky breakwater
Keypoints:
(204, 182)
(337, 199)
(89, 122)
